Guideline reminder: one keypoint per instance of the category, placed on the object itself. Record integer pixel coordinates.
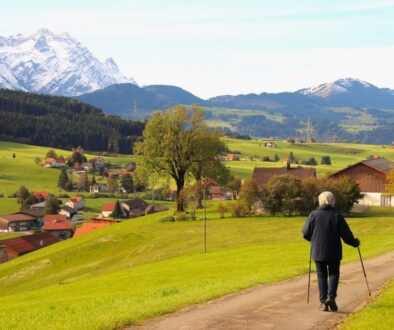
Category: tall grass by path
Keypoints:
(377, 316)
(141, 268)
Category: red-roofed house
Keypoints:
(77, 203)
(19, 222)
(17, 246)
(107, 209)
(55, 162)
(41, 195)
(58, 225)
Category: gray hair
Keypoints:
(326, 198)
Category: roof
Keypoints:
(56, 222)
(25, 244)
(34, 212)
(38, 205)
(89, 227)
(41, 194)
(261, 175)
(108, 207)
(136, 204)
(104, 220)
(57, 160)
(76, 199)
(16, 217)
(377, 163)
(69, 209)
(53, 217)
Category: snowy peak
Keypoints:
(51, 63)
(340, 86)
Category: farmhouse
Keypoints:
(232, 157)
(19, 222)
(98, 188)
(270, 144)
(69, 212)
(17, 246)
(55, 162)
(107, 209)
(219, 193)
(98, 163)
(57, 225)
(261, 175)
(133, 205)
(76, 202)
(371, 175)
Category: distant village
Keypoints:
(67, 220)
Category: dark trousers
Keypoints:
(327, 278)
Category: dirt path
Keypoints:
(281, 305)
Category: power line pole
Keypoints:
(205, 221)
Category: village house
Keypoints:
(38, 206)
(98, 163)
(58, 226)
(107, 209)
(38, 213)
(67, 211)
(270, 144)
(87, 166)
(17, 246)
(219, 193)
(19, 221)
(76, 202)
(55, 162)
(134, 206)
(371, 176)
(98, 188)
(232, 157)
(41, 195)
(261, 175)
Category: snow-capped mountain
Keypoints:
(350, 92)
(51, 63)
(340, 86)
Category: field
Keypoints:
(142, 268)
(22, 170)
(341, 154)
(377, 316)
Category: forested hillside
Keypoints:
(63, 123)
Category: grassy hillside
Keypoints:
(341, 154)
(141, 268)
(22, 169)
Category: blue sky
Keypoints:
(224, 47)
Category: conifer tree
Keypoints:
(63, 179)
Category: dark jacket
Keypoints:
(324, 228)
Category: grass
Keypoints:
(22, 169)
(142, 268)
(377, 316)
(4, 236)
(341, 154)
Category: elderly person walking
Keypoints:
(324, 229)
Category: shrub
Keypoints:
(221, 209)
(238, 209)
(168, 218)
(181, 216)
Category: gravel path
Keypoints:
(281, 305)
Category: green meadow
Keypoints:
(142, 268)
(377, 316)
(22, 169)
(341, 154)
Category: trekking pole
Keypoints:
(365, 274)
(309, 274)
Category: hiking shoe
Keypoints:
(323, 307)
(331, 304)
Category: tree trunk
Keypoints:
(180, 207)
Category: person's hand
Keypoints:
(357, 242)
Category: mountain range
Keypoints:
(57, 64)
(49, 63)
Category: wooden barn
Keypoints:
(261, 175)
(371, 175)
